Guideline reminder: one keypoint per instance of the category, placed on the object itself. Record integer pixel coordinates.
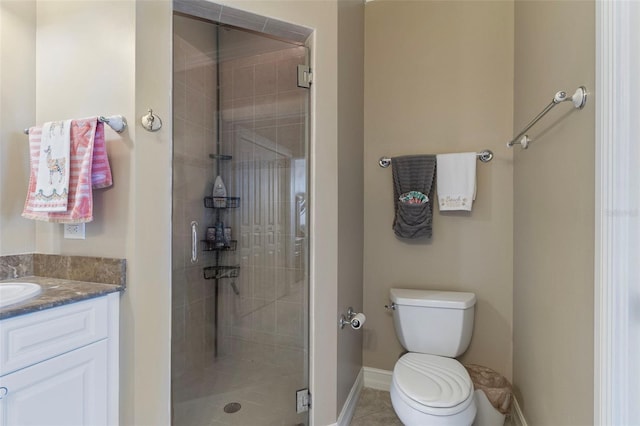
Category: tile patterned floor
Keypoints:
(374, 409)
(261, 406)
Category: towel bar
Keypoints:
(579, 100)
(484, 156)
(116, 122)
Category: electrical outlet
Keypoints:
(74, 231)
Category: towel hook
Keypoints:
(151, 122)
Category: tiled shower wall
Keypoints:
(263, 123)
(263, 115)
(194, 113)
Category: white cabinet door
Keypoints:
(70, 389)
(29, 339)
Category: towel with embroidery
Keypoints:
(456, 181)
(89, 169)
(52, 179)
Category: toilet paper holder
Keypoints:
(353, 318)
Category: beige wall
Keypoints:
(554, 215)
(147, 319)
(350, 187)
(17, 111)
(100, 35)
(439, 78)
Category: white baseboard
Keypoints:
(516, 414)
(349, 406)
(375, 378)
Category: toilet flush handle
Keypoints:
(391, 307)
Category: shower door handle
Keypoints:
(194, 241)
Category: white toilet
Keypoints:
(428, 386)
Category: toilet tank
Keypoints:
(433, 322)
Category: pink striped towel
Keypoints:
(89, 169)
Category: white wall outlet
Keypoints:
(74, 231)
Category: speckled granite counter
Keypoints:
(63, 279)
(56, 292)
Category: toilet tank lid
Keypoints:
(433, 298)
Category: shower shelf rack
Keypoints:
(223, 157)
(210, 245)
(218, 272)
(222, 202)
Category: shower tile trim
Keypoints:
(242, 19)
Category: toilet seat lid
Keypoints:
(432, 381)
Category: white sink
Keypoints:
(15, 292)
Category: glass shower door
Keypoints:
(240, 325)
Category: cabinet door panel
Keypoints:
(29, 339)
(70, 389)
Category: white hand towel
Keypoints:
(456, 181)
(52, 184)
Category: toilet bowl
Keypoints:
(432, 390)
(428, 386)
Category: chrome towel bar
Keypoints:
(116, 122)
(484, 156)
(579, 100)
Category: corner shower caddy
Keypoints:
(220, 203)
(218, 271)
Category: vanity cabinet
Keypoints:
(60, 366)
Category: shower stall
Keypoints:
(240, 291)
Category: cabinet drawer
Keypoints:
(32, 338)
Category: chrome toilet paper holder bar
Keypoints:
(350, 319)
(347, 320)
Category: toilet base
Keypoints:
(409, 416)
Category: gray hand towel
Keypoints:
(413, 173)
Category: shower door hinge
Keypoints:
(305, 77)
(303, 400)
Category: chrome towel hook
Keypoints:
(151, 122)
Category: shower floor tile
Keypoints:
(262, 378)
(254, 411)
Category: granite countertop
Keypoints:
(56, 292)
